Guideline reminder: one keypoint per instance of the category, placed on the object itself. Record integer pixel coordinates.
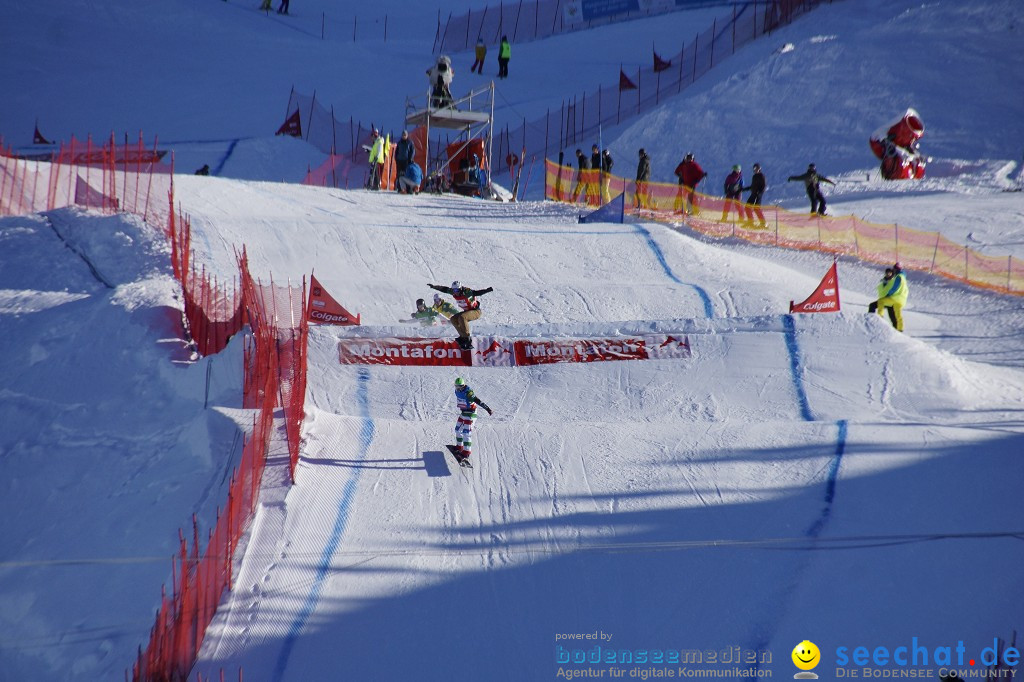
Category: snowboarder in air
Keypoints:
(466, 299)
(467, 402)
(425, 315)
(812, 181)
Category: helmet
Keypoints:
(456, 285)
(642, 152)
(757, 166)
(689, 157)
(459, 381)
(419, 303)
(437, 299)
(810, 166)
(737, 167)
(897, 268)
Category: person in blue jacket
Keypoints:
(410, 182)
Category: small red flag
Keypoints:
(292, 126)
(660, 64)
(37, 137)
(825, 298)
(624, 82)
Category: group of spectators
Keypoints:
(689, 174)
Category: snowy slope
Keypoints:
(592, 481)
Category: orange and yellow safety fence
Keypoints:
(775, 226)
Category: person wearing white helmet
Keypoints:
(467, 401)
(466, 299)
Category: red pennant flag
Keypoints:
(37, 137)
(323, 308)
(825, 298)
(292, 126)
(624, 82)
(660, 64)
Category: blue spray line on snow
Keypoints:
(224, 159)
(794, 368)
(709, 310)
(340, 521)
(814, 530)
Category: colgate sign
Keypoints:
(331, 318)
(395, 351)
(578, 350)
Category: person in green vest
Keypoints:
(892, 294)
(504, 54)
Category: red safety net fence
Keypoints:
(114, 178)
(109, 177)
(717, 217)
(274, 376)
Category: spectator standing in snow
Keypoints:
(757, 188)
(690, 174)
(733, 189)
(595, 166)
(606, 176)
(582, 168)
(892, 294)
(377, 152)
(480, 53)
(283, 9)
(405, 150)
(504, 54)
(643, 176)
(812, 181)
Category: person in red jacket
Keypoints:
(689, 173)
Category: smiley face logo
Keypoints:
(806, 656)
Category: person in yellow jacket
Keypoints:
(892, 294)
(377, 157)
(480, 52)
(504, 54)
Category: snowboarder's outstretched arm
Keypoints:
(442, 289)
(484, 405)
(480, 292)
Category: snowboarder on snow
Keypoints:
(812, 181)
(467, 402)
(466, 299)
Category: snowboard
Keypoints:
(463, 462)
